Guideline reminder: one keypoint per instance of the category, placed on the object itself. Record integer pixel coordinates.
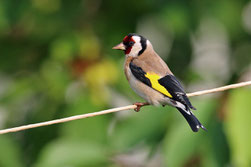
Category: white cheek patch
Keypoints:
(136, 47)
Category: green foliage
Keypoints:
(145, 128)
(237, 121)
(56, 61)
(10, 154)
(72, 153)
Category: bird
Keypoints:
(150, 77)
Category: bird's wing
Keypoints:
(167, 85)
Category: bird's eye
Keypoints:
(131, 43)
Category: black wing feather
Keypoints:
(175, 89)
(139, 74)
(171, 84)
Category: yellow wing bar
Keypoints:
(155, 84)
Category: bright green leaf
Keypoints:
(237, 126)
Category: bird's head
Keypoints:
(133, 45)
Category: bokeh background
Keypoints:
(56, 61)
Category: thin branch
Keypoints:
(220, 89)
(129, 107)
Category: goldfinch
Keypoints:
(150, 78)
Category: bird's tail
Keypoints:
(191, 119)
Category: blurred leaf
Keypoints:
(10, 154)
(64, 48)
(4, 23)
(75, 153)
(229, 12)
(208, 158)
(176, 18)
(89, 46)
(216, 150)
(237, 126)
(46, 5)
(148, 125)
(90, 129)
(98, 77)
(55, 79)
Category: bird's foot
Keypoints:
(139, 105)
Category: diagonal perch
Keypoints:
(129, 107)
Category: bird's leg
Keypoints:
(139, 105)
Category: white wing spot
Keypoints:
(183, 107)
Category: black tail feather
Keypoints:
(192, 120)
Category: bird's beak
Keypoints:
(119, 47)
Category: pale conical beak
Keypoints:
(119, 46)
